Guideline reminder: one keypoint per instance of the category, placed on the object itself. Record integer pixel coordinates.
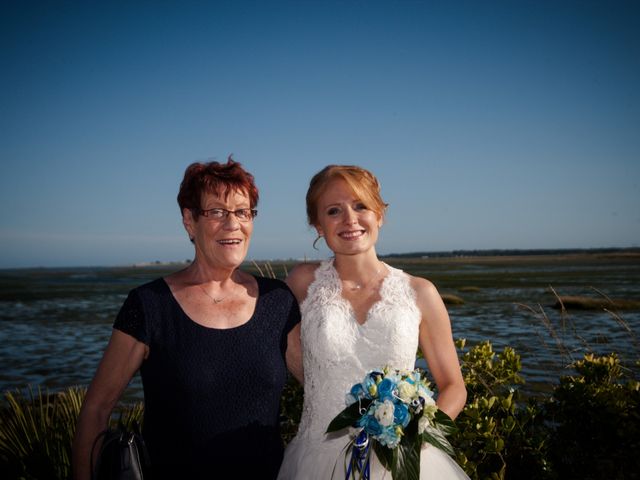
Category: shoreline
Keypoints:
(623, 256)
(490, 256)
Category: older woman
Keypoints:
(211, 343)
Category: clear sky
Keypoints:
(489, 124)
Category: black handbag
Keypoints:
(123, 455)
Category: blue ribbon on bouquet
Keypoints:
(360, 456)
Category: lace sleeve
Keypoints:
(131, 319)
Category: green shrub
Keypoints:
(594, 418)
(497, 438)
(589, 428)
(290, 409)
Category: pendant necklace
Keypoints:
(213, 299)
(357, 286)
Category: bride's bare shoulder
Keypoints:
(301, 277)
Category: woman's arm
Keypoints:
(122, 358)
(294, 354)
(298, 281)
(436, 343)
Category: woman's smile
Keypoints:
(230, 242)
(352, 235)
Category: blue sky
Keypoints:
(510, 124)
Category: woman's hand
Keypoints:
(122, 358)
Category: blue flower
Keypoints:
(370, 424)
(385, 389)
(401, 415)
(358, 391)
(389, 437)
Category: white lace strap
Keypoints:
(398, 289)
(322, 285)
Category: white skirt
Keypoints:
(306, 459)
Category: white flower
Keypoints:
(406, 391)
(384, 413)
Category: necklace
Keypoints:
(362, 286)
(213, 299)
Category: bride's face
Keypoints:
(347, 225)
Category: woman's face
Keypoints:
(346, 224)
(222, 242)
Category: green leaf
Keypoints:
(435, 437)
(348, 416)
(384, 454)
(406, 458)
(444, 423)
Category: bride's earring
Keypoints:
(316, 241)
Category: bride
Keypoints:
(360, 314)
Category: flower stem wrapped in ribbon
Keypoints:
(394, 413)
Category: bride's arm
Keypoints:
(436, 343)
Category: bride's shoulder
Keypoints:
(300, 277)
(303, 270)
(424, 289)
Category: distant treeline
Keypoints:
(513, 252)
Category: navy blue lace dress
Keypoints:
(211, 396)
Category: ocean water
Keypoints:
(511, 303)
(55, 323)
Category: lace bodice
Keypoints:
(338, 351)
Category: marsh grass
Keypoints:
(566, 327)
(268, 271)
(558, 334)
(37, 429)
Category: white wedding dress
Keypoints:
(337, 353)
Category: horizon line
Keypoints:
(455, 253)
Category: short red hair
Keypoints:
(217, 178)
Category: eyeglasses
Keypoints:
(221, 214)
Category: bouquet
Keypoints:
(392, 413)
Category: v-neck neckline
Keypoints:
(347, 302)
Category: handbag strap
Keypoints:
(134, 440)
